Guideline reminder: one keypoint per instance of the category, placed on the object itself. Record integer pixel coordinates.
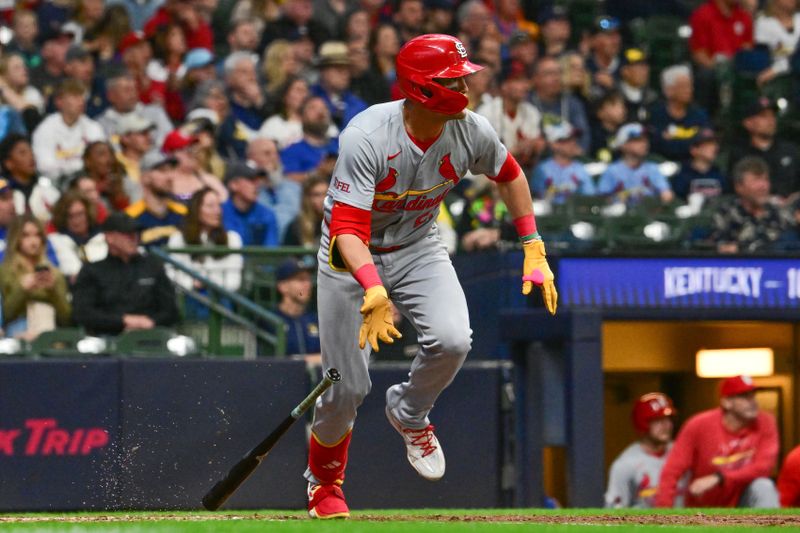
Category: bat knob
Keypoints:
(333, 375)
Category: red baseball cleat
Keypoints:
(326, 501)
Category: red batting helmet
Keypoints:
(431, 56)
(649, 407)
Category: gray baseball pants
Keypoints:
(422, 283)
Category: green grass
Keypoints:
(428, 520)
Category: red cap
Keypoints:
(177, 140)
(649, 407)
(736, 385)
(131, 39)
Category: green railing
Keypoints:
(216, 294)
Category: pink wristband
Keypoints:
(367, 276)
(526, 226)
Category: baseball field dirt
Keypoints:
(567, 521)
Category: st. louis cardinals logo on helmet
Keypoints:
(649, 407)
(424, 58)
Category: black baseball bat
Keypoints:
(223, 489)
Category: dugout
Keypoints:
(637, 323)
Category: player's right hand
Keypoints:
(377, 313)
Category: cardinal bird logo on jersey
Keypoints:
(447, 170)
(388, 182)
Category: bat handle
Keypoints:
(331, 376)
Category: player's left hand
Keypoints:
(536, 270)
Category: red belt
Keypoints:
(384, 250)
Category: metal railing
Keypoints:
(216, 294)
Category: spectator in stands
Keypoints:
(317, 151)
(515, 120)
(201, 124)
(749, 221)
(577, 80)
(295, 20)
(384, 43)
(509, 18)
(555, 28)
(188, 16)
(203, 226)
(24, 43)
(560, 176)
(730, 453)
(484, 221)
(676, 119)
(608, 116)
(49, 74)
(17, 91)
(334, 84)
(243, 36)
(126, 290)
(634, 474)
(188, 177)
(789, 479)
(632, 176)
(474, 20)
(286, 126)
(332, 15)
(760, 124)
(720, 28)
(255, 223)
(522, 48)
(196, 69)
(136, 54)
(32, 193)
(124, 102)
(7, 212)
(700, 173)
(88, 188)
(366, 82)
(634, 84)
(157, 215)
(556, 106)
(296, 289)
(135, 140)
(247, 100)
(440, 15)
(278, 65)
(79, 65)
(604, 60)
(34, 292)
(490, 51)
(280, 195)
(101, 165)
(358, 25)
(306, 228)
(231, 144)
(104, 39)
(62, 137)
(77, 238)
(778, 27)
(409, 19)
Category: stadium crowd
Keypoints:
(216, 122)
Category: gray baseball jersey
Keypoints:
(381, 169)
(633, 478)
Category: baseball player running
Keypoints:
(633, 478)
(397, 161)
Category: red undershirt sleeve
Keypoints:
(509, 171)
(346, 219)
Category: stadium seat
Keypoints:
(144, 342)
(59, 342)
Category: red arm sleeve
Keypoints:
(678, 461)
(789, 480)
(509, 171)
(765, 457)
(348, 219)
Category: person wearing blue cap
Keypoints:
(294, 284)
(604, 60)
(555, 29)
(560, 176)
(632, 176)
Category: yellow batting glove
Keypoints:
(378, 324)
(535, 270)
